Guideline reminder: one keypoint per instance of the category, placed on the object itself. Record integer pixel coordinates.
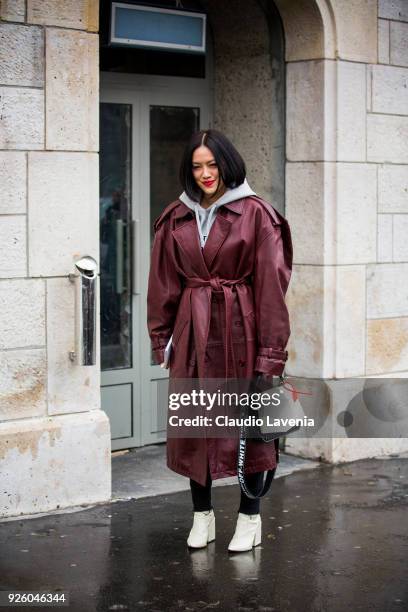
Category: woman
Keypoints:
(220, 268)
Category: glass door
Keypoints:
(145, 123)
(115, 240)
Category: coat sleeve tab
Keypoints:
(271, 361)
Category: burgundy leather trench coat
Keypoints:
(225, 306)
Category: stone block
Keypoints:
(393, 9)
(310, 300)
(387, 139)
(12, 10)
(342, 450)
(22, 313)
(351, 110)
(387, 290)
(350, 320)
(390, 90)
(318, 449)
(355, 441)
(353, 449)
(384, 237)
(400, 242)
(13, 252)
(369, 87)
(72, 90)
(63, 209)
(21, 118)
(93, 15)
(387, 345)
(393, 189)
(23, 384)
(69, 456)
(21, 55)
(398, 43)
(71, 387)
(356, 27)
(302, 22)
(383, 41)
(305, 210)
(76, 14)
(310, 210)
(310, 87)
(356, 229)
(13, 180)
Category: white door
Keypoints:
(145, 122)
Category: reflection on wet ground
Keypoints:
(334, 539)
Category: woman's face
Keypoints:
(205, 172)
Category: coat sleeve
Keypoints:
(272, 272)
(164, 292)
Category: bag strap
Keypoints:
(265, 438)
(266, 484)
(241, 472)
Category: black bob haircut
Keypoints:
(230, 164)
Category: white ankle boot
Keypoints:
(203, 529)
(247, 533)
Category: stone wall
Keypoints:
(248, 67)
(53, 434)
(387, 150)
(347, 197)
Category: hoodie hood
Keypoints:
(205, 216)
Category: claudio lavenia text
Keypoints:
(249, 421)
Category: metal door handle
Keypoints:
(134, 262)
(85, 311)
(119, 256)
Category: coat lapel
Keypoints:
(188, 238)
(189, 241)
(218, 233)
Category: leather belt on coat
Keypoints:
(210, 285)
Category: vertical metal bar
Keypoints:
(85, 315)
(135, 243)
(119, 256)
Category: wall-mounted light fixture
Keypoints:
(151, 27)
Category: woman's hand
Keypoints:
(266, 381)
(164, 366)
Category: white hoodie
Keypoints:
(205, 216)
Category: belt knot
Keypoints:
(215, 283)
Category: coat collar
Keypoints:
(186, 234)
(236, 206)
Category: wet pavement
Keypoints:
(139, 472)
(335, 538)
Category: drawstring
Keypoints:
(199, 226)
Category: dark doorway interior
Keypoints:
(144, 61)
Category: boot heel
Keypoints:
(258, 535)
(211, 532)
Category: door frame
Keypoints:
(143, 91)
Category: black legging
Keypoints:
(202, 494)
